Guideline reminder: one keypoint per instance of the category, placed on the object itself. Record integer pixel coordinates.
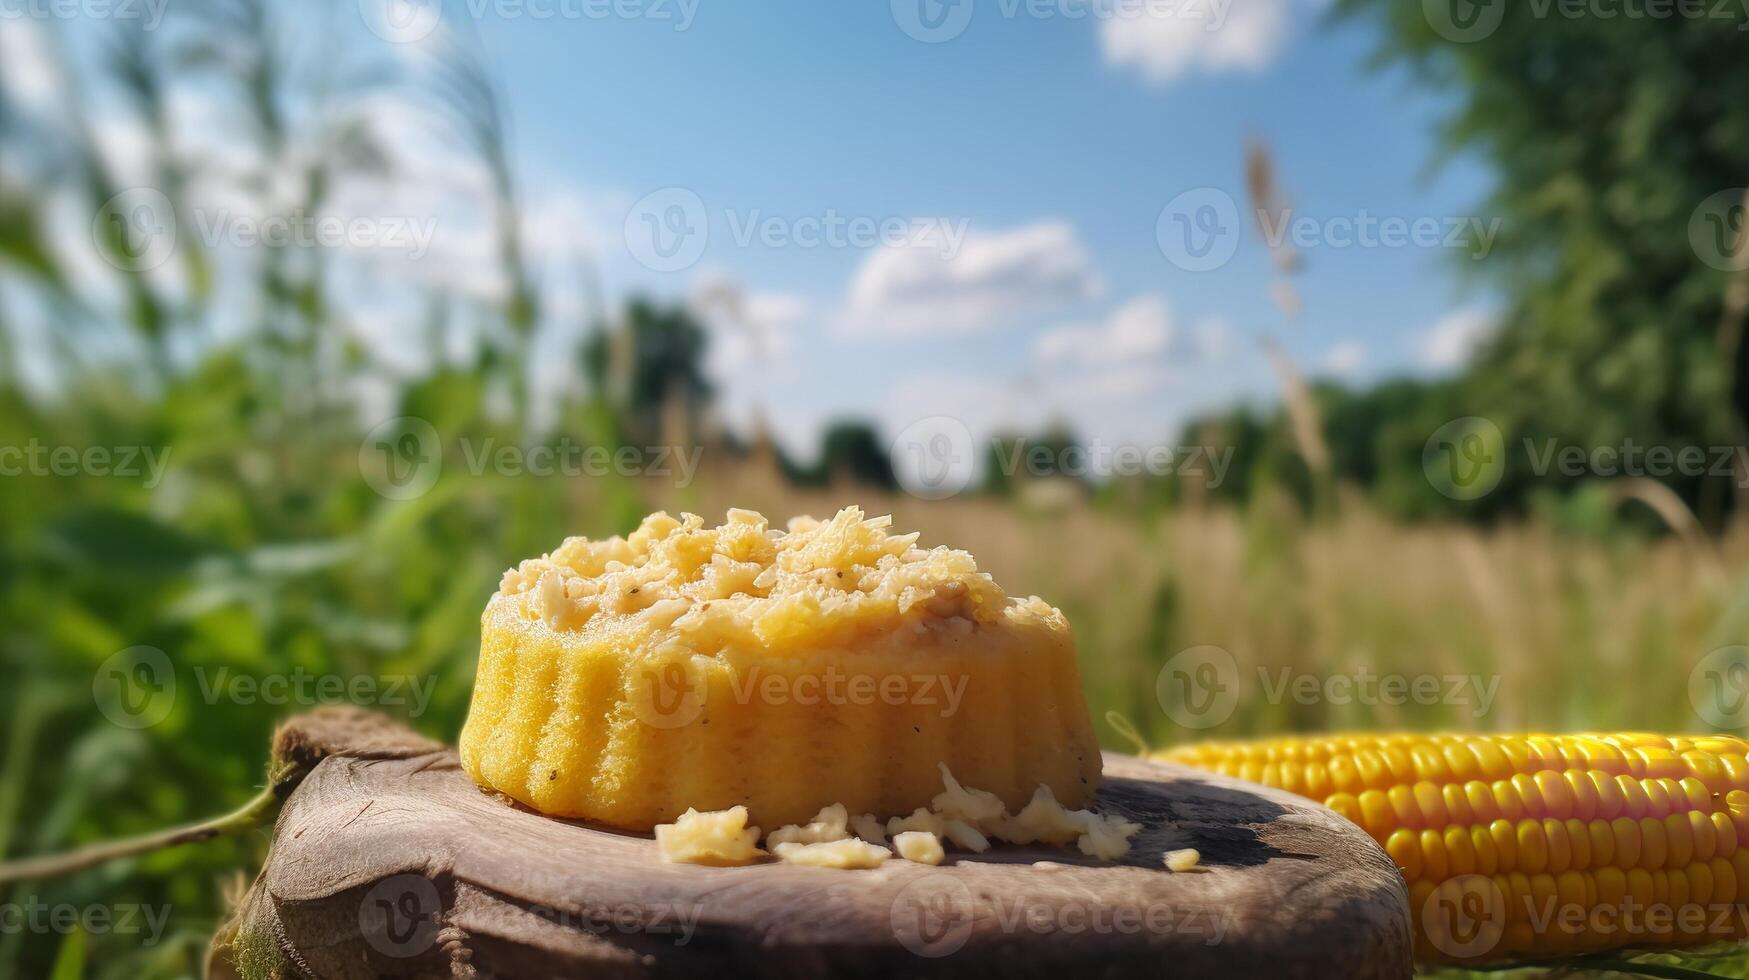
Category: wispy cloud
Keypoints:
(1138, 330)
(1450, 343)
(27, 67)
(1166, 42)
(912, 290)
(1345, 359)
(1141, 331)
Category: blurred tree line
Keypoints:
(1620, 147)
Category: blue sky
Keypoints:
(1028, 155)
(794, 109)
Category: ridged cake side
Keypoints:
(779, 699)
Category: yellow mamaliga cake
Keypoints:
(627, 680)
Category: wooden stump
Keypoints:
(389, 862)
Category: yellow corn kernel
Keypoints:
(1580, 834)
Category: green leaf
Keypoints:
(123, 540)
(70, 961)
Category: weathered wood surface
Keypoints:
(389, 862)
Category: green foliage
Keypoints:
(654, 356)
(1607, 136)
(1012, 459)
(851, 451)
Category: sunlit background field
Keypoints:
(298, 499)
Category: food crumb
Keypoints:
(721, 838)
(846, 854)
(920, 846)
(1183, 860)
(830, 824)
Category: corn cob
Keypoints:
(1530, 845)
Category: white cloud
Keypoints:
(1214, 340)
(1345, 358)
(1139, 333)
(1449, 344)
(1138, 330)
(914, 289)
(1164, 42)
(748, 328)
(28, 74)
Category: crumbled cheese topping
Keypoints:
(967, 837)
(720, 837)
(849, 853)
(1042, 821)
(920, 819)
(744, 581)
(966, 817)
(828, 825)
(971, 805)
(1105, 836)
(919, 846)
